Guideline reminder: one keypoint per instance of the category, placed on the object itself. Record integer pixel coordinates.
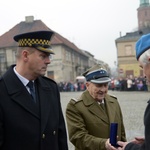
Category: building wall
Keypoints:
(58, 65)
(67, 64)
(130, 67)
(127, 63)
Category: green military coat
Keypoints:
(89, 125)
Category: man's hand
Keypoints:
(109, 146)
(138, 140)
(122, 145)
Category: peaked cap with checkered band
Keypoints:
(38, 39)
(97, 74)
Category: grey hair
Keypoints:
(18, 52)
(144, 58)
(20, 49)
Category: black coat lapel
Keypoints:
(18, 92)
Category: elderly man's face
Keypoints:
(97, 91)
(146, 70)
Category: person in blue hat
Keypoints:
(143, 57)
(31, 117)
(89, 117)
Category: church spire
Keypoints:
(144, 3)
(144, 14)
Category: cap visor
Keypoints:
(47, 50)
(101, 80)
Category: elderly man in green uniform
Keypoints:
(88, 122)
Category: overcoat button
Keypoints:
(54, 132)
(43, 136)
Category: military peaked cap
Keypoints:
(38, 39)
(97, 74)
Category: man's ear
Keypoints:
(25, 55)
(87, 84)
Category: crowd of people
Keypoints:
(71, 86)
(116, 84)
(129, 84)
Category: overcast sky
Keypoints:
(92, 25)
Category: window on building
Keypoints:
(79, 61)
(128, 50)
(14, 56)
(68, 56)
(73, 58)
(2, 58)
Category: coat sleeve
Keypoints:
(78, 134)
(123, 134)
(1, 129)
(62, 140)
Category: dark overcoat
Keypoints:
(26, 126)
(89, 125)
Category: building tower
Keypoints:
(143, 14)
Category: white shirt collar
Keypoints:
(22, 79)
(101, 101)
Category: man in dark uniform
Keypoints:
(89, 116)
(143, 57)
(30, 110)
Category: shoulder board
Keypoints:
(74, 100)
(113, 96)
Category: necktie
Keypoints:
(32, 90)
(102, 106)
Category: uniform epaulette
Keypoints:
(74, 100)
(113, 96)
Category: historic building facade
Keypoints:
(127, 63)
(67, 63)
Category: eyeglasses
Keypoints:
(44, 56)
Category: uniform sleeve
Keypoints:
(1, 129)
(62, 140)
(132, 146)
(123, 134)
(78, 134)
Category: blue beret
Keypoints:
(142, 45)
